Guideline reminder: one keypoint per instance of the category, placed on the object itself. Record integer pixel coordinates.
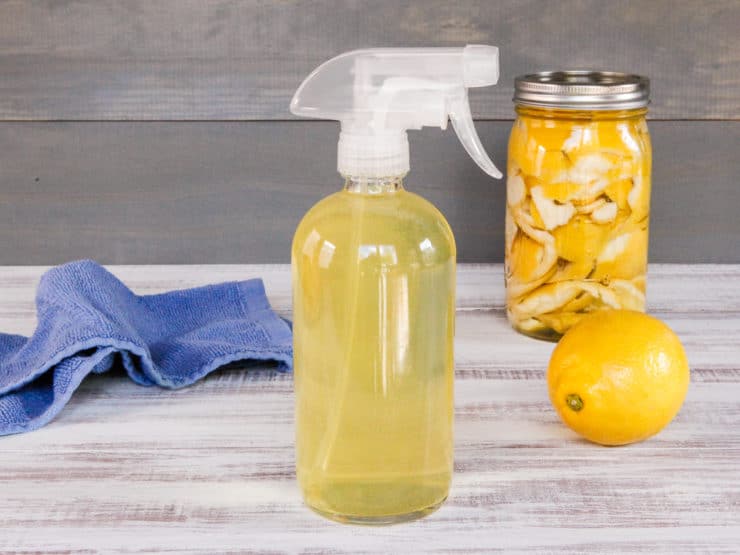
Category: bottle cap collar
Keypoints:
(373, 155)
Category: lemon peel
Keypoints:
(552, 214)
(605, 213)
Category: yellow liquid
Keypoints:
(578, 203)
(373, 309)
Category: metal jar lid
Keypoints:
(582, 90)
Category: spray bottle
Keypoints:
(373, 270)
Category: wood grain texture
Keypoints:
(243, 59)
(209, 469)
(226, 192)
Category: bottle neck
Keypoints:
(373, 185)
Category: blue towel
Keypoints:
(89, 322)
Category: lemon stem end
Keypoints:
(574, 402)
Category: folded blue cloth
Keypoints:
(89, 322)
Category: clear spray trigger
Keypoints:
(380, 93)
(462, 122)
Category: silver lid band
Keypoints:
(582, 90)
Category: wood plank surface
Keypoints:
(209, 469)
(228, 192)
(243, 59)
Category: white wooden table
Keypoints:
(210, 469)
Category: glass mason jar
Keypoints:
(578, 199)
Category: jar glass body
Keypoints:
(578, 203)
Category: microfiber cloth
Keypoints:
(90, 322)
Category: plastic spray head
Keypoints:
(380, 93)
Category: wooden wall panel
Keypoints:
(233, 192)
(242, 59)
(157, 131)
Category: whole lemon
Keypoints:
(618, 376)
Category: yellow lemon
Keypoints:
(618, 376)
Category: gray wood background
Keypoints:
(158, 132)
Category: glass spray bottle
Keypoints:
(374, 288)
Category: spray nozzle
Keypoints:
(378, 94)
